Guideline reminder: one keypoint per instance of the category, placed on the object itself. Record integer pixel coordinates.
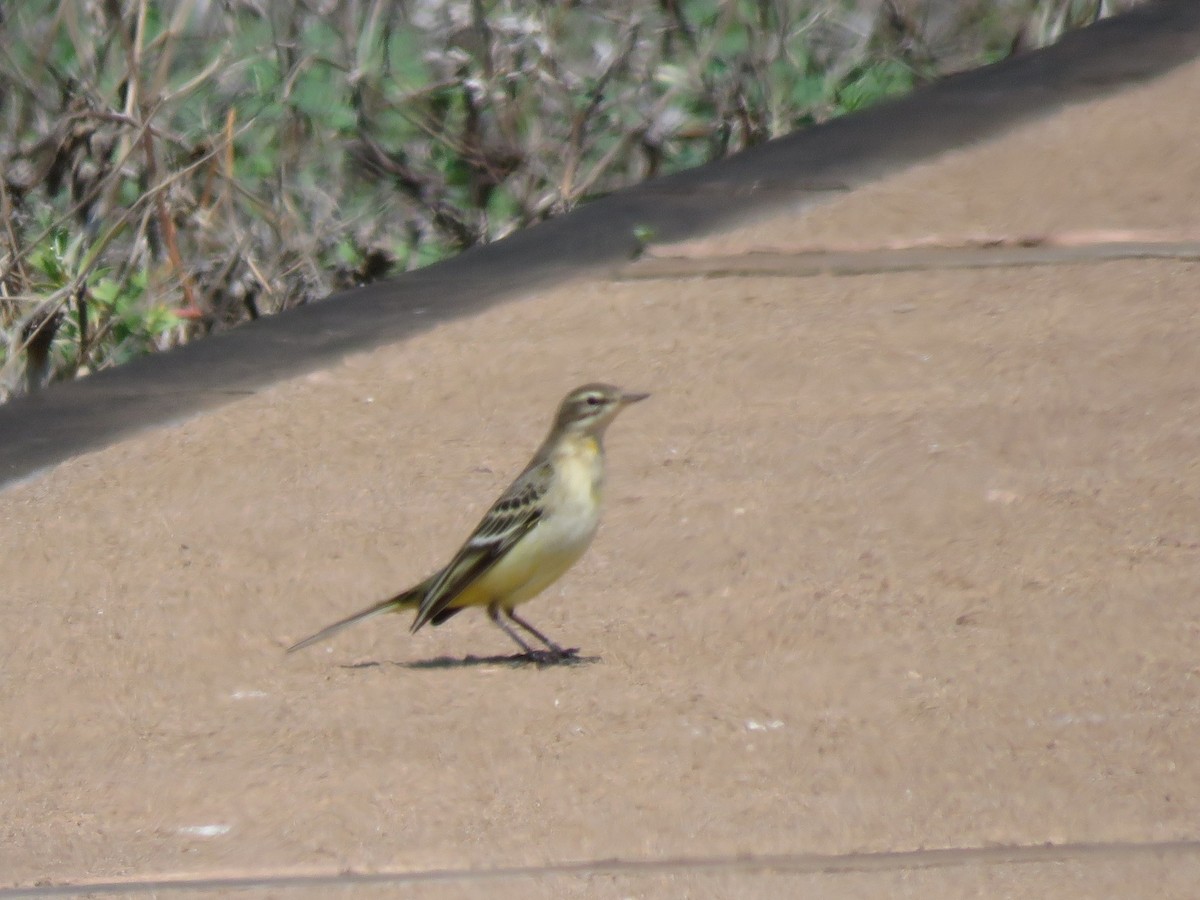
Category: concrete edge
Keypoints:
(777, 864)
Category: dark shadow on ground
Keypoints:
(513, 661)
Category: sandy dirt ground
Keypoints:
(889, 562)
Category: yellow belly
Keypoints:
(555, 543)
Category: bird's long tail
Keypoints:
(410, 599)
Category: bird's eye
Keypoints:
(594, 400)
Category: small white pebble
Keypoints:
(205, 830)
(248, 695)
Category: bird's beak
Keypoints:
(627, 398)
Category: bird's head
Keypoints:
(590, 408)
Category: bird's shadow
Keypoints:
(511, 661)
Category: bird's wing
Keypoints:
(510, 519)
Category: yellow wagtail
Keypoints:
(536, 531)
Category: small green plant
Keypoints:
(643, 235)
(125, 320)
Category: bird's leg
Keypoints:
(554, 648)
(493, 612)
